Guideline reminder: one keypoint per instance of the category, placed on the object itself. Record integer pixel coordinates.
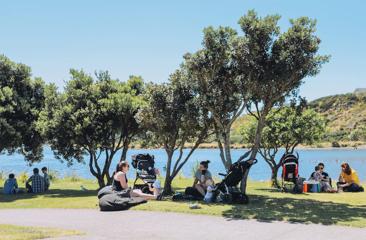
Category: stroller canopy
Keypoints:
(145, 166)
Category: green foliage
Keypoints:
(53, 175)
(257, 70)
(21, 99)
(94, 117)
(73, 177)
(286, 127)
(2, 176)
(172, 118)
(22, 177)
(345, 115)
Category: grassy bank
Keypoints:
(266, 204)
(12, 232)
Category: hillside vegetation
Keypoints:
(345, 116)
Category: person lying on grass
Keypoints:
(201, 176)
(120, 183)
(348, 180)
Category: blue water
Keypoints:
(261, 171)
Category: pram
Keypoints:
(227, 190)
(290, 172)
(145, 170)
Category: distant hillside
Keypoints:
(345, 115)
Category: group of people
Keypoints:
(348, 179)
(35, 184)
(120, 184)
(203, 181)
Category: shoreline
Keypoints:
(241, 146)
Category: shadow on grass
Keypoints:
(53, 193)
(267, 209)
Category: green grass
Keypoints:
(266, 204)
(12, 232)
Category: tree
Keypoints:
(286, 127)
(275, 64)
(94, 118)
(173, 118)
(214, 78)
(258, 70)
(21, 100)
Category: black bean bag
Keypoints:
(116, 202)
(104, 191)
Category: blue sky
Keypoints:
(149, 38)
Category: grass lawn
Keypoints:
(266, 204)
(12, 232)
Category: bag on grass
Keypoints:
(193, 193)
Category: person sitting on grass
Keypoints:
(319, 177)
(156, 186)
(38, 185)
(325, 175)
(46, 178)
(11, 185)
(348, 180)
(120, 183)
(201, 176)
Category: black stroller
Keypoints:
(227, 190)
(290, 173)
(145, 170)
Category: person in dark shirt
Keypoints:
(11, 185)
(325, 175)
(38, 185)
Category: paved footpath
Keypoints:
(158, 225)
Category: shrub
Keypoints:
(53, 175)
(73, 177)
(22, 177)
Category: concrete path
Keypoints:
(158, 225)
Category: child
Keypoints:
(324, 185)
(210, 187)
(46, 179)
(11, 185)
(317, 176)
(156, 186)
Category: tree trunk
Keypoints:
(101, 182)
(274, 174)
(168, 186)
(124, 150)
(168, 180)
(227, 149)
(258, 137)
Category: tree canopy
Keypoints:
(286, 128)
(94, 118)
(21, 100)
(255, 71)
(173, 118)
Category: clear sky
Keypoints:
(149, 38)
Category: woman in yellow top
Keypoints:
(348, 180)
